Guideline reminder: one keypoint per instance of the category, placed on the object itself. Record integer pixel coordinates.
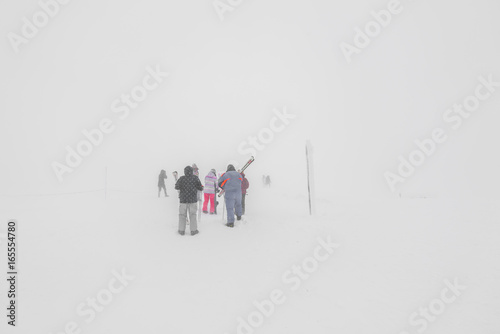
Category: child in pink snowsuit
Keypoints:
(209, 191)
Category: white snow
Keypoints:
(393, 258)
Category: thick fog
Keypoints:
(398, 101)
(225, 78)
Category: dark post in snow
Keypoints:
(310, 178)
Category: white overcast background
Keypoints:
(226, 80)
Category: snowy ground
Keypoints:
(378, 88)
(393, 259)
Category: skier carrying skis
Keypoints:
(161, 183)
(188, 186)
(209, 191)
(230, 182)
(244, 186)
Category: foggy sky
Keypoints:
(226, 78)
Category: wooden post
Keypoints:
(310, 179)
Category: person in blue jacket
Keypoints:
(230, 182)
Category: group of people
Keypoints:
(233, 184)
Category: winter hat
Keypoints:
(213, 170)
(231, 168)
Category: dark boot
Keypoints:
(238, 217)
(195, 232)
(181, 232)
(230, 224)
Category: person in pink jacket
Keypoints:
(209, 191)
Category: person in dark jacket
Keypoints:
(244, 186)
(188, 186)
(230, 182)
(161, 183)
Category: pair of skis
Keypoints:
(249, 162)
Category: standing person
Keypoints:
(244, 186)
(209, 191)
(196, 171)
(230, 182)
(268, 181)
(176, 178)
(199, 195)
(161, 183)
(188, 186)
